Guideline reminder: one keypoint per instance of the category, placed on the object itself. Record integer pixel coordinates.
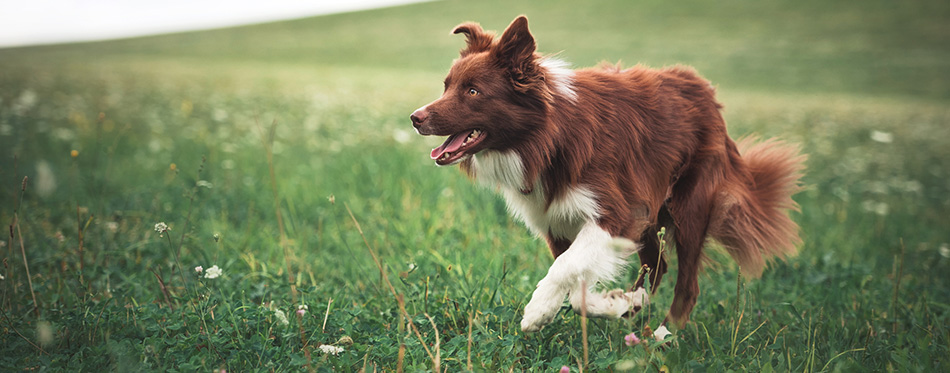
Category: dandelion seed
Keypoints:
(882, 137)
(631, 339)
(281, 316)
(199, 269)
(331, 350)
(213, 272)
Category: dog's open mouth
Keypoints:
(457, 147)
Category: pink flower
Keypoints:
(565, 369)
(631, 339)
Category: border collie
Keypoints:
(596, 161)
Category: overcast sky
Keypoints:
(26, 22)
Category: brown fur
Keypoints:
(650, 143)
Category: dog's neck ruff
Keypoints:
(562, 218)
(560, 77)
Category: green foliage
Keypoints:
(177, 129)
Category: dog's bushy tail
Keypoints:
(753, 222)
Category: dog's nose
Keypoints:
(418, 117)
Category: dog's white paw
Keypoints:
(639, 298)
(661, 333)
(612, 304)
(544, 304)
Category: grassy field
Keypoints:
(283, 154)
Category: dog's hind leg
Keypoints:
(691, 205)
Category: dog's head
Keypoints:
(495, 94)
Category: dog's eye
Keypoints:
(472, 92)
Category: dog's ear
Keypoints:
(516, 48)
(478, 40)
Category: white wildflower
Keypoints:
(882, 137)
(199, 269)
(332, 350)
(213, 272)
(112, 226)
(944, 251)
(161, 228)
(661, 333)
(281, 317)
(204, 183)
(2, 278)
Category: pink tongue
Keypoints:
(452, 144)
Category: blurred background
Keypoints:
(63, 21)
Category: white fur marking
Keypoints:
(562, 218)
(498, 169)
(589, 260)
(561, 77)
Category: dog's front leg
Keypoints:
(590, 259)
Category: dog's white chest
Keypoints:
(563, 218)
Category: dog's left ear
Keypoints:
(478, 40)
(516, 49)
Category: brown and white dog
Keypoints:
(588, 156)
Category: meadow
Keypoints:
(283, 155)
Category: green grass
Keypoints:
(868, 291)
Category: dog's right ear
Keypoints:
(478, 40)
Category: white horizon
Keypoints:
(41, 22)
